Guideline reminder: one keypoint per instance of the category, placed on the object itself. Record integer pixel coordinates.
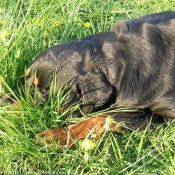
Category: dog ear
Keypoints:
(96, 92)
(120, 28)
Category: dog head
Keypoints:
(73, 66)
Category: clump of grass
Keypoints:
(26, 29)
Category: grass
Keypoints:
(26, 29)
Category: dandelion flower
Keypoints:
(88, 144)
(1, 11)
(45, 34)
(56, 24)
(87, 24)
(1, 23)
(4, 34)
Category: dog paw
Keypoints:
(94, 127)
(57, 135)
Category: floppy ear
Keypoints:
(95, 92)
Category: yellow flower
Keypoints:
(56, 24)
(1, 23)
(87, 24)
(88, 144)
(1, 11)
(45, 34)
(4, 34)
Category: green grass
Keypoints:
(26, 29)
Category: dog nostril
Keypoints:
(43, 92)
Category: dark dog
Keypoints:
(132, 64)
